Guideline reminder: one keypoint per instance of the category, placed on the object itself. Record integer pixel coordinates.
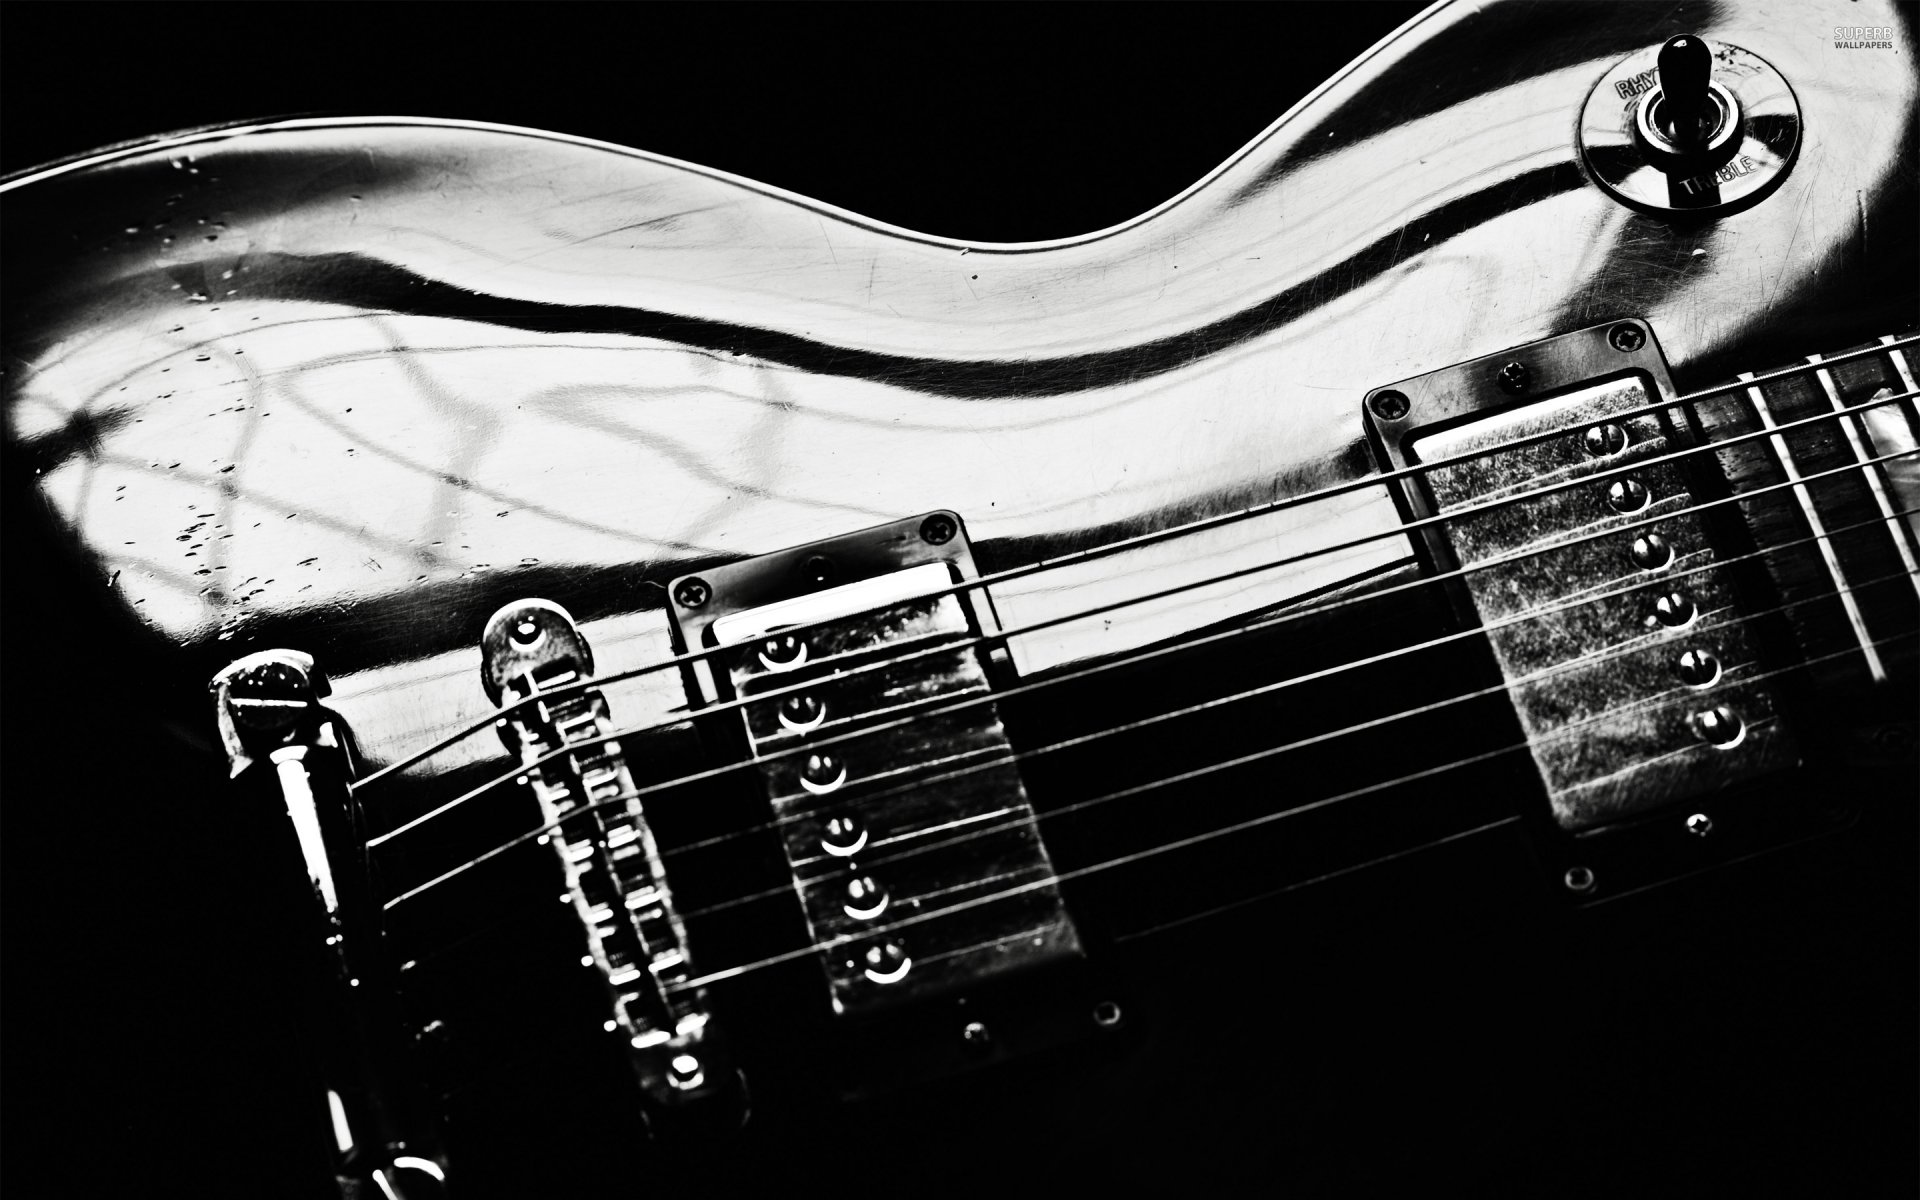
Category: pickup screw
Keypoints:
(1698, 668)
(938, 529)
(1699, 824)
(1579, 879)
(1718, 726)
(1626, 337)
(1674, 609)
(1603, 440)
(1650, 552)
(1106, 1014)
(692, 593)
(1390, 406)
(1627, 495)
(1513, 378)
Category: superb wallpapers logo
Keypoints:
(1863, 37)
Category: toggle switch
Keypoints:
(1690, 127)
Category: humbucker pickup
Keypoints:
(1552, 482)
(858, 670)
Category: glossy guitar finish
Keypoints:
(350, 386)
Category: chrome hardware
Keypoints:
(616, 880)
(1576, 627)
(268, 712)
(801, 712)
(1719, 726)
(822, 773)
(1699, 824)
(866, 899)
(843, 836)
(1674, 610)
(1603, 440)
(1690, 127)
(783, 653)
(1697, 668)
(1628, 495)
(1650, 552)
(837, 643)
(886, 962)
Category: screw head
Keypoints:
(1626, 337)
(1603, 440)
(1699, 824)
(1513, 378)
(1718, 726)
(1697, 667)
(1675, 610)
(818, 570)
(1628, 495)
(692, 593)
(1579, 879)
(1107, 1014)
(1650, 552)
(1390, 406)
(938, 529)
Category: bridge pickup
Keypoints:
(862, 673)
(615, 877)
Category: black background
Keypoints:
(986, 123)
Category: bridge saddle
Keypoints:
(535, 653)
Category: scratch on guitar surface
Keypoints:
(1786, 255)
(827, 240)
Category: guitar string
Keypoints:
(1272, 893)
(1036, 685)
(1580, 664)
(893, 659)
(866, 935)
(869, 865)
(1201, 525)
(776, 694)
(1691, 631)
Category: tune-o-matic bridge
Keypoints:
(865, 701)
(613, 868)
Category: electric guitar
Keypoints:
(1396, 664)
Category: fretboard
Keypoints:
(1840, 546)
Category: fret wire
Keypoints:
(1201, 838)
(729, 768)
(1852, 424)
(1828, 554)
(1403, 529)
(1888, 344)
(1906, 433)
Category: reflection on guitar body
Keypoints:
(729, 681)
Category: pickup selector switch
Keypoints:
(1690, 127)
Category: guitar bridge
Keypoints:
(862, 690)
(613, 869)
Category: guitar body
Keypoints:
(351, 386)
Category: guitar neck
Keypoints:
(1840, 543)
